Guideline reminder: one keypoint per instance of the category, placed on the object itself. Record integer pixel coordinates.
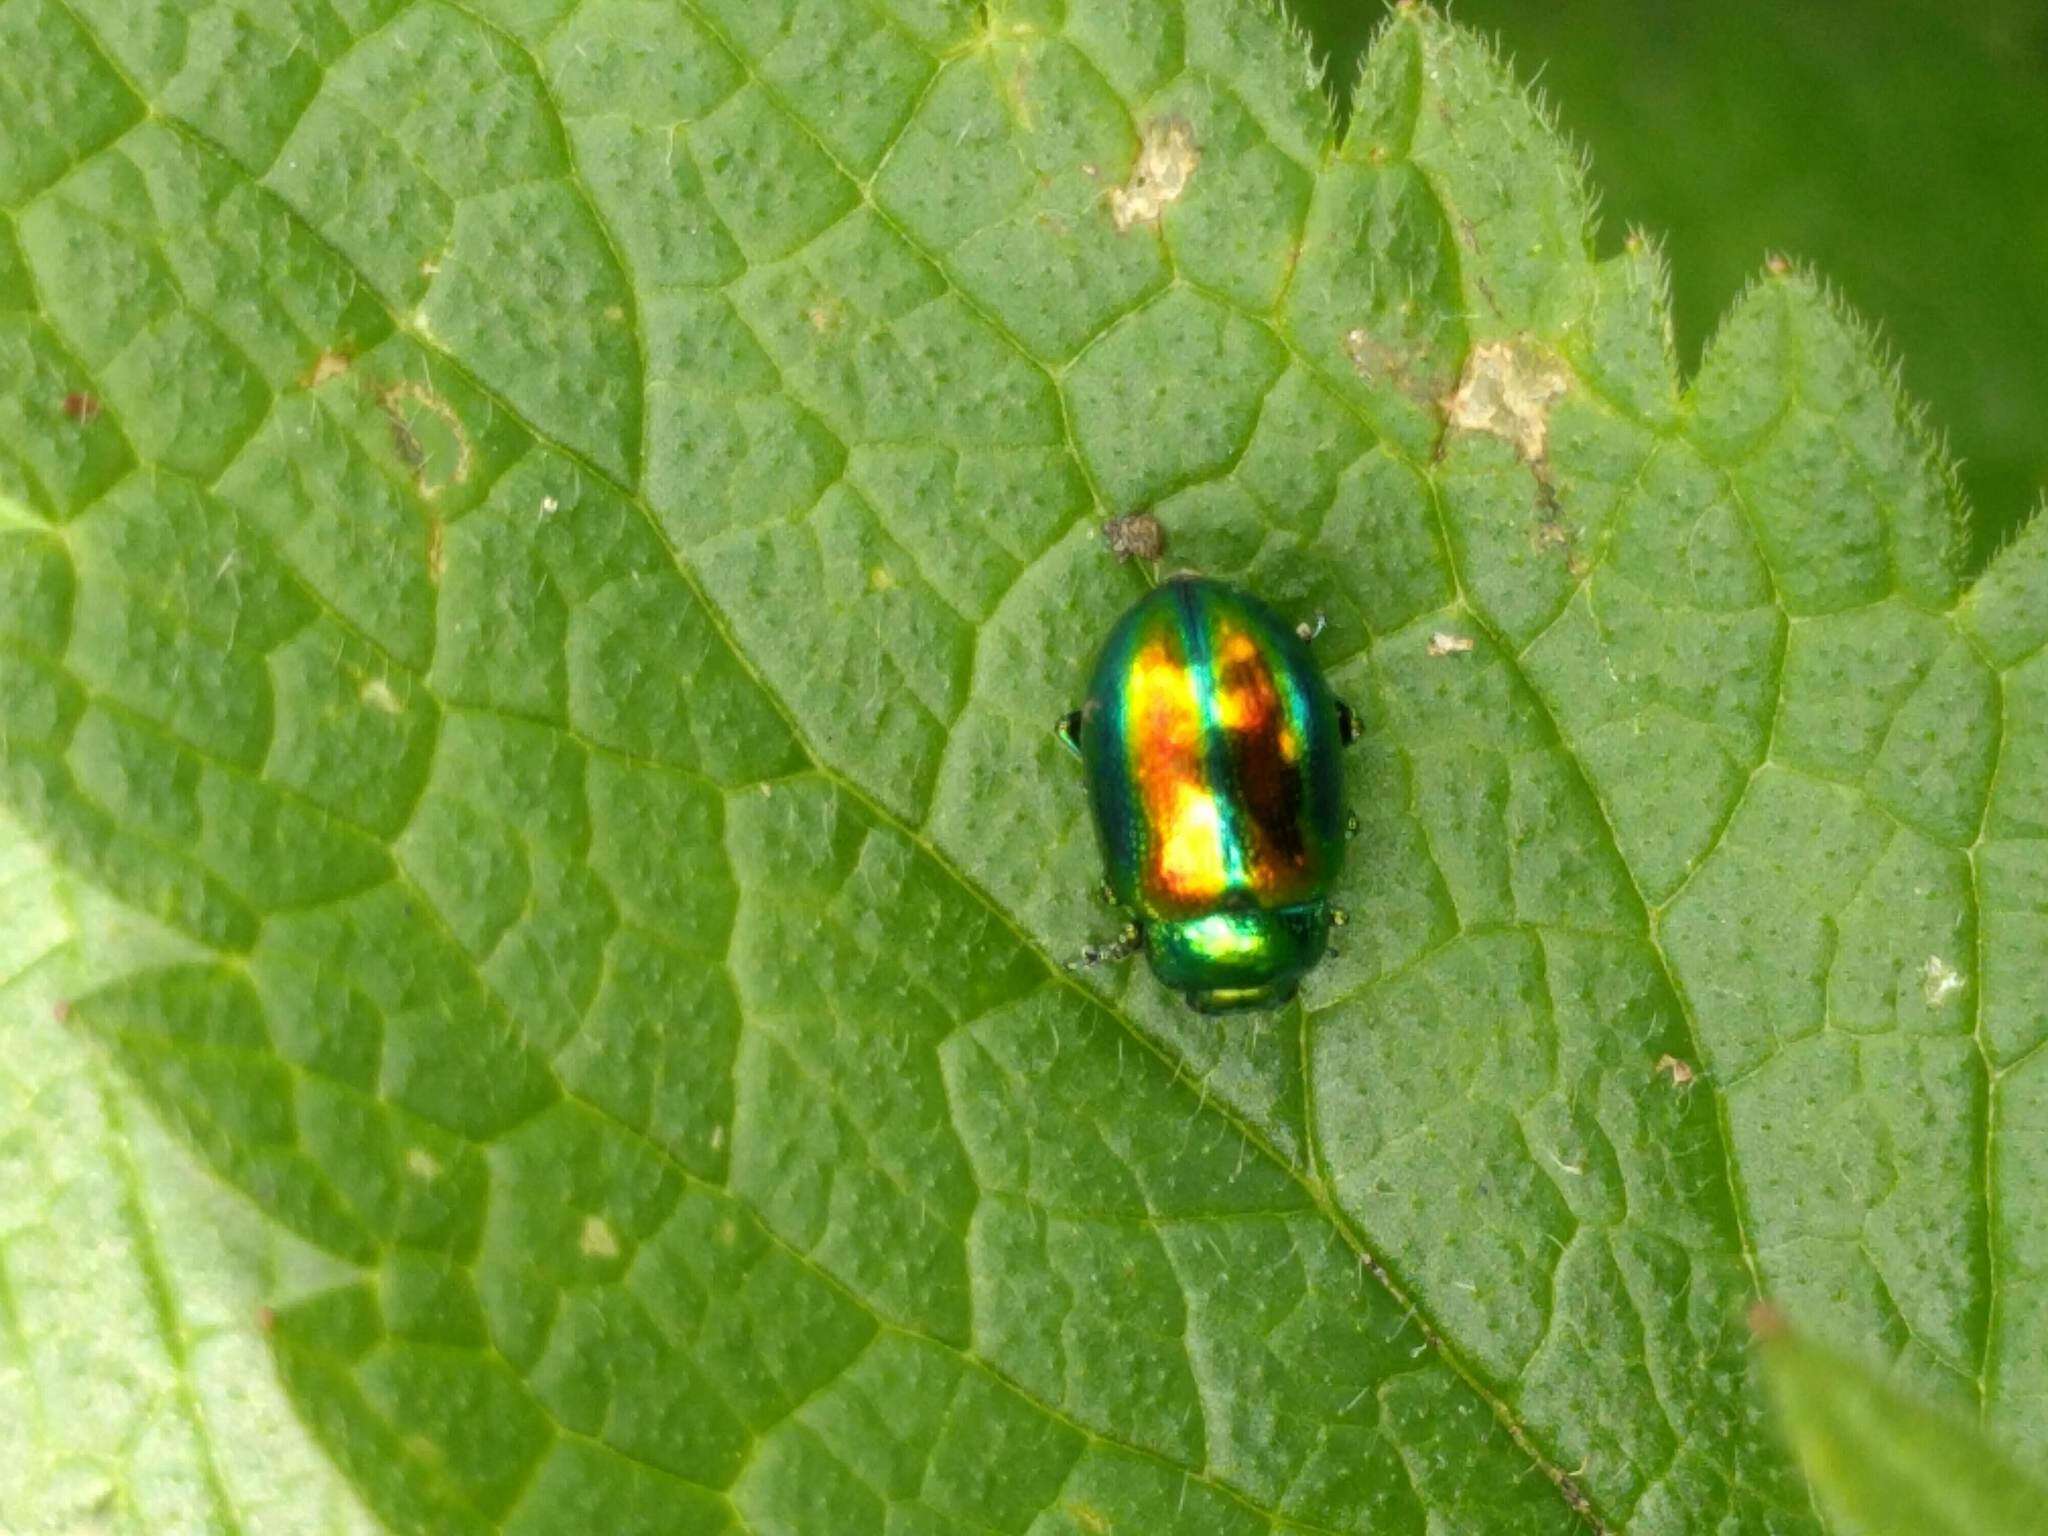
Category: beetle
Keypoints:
(1213, 751)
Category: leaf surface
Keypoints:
(542, 544)
(1889, 1463)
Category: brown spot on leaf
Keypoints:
(266, 1320)
(82, 407)
(61, 1009)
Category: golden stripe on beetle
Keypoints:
(1213, 749)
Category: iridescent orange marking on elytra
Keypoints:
(1166, 716)
(1245, 700)
(1263, 747)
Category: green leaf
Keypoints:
(1883, 153)
(136, 1394)
(1885, 1461)
(540, 546)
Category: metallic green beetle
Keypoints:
(1213, 749)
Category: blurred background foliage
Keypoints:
(1899, 146)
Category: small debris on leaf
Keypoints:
(1939, 981)
(1681, 1073)
(1135, 536)
(1443, 643)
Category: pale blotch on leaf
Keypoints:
(598, 1240)
(379, 696)
(328, 365)
(1939, 981)
(1507, 390)
(1443, 643)
(428, 436)
(421, 1163)
(1167, 158)
(1403, 367)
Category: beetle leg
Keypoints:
(1348, 728)
(1338, 919)
(1122, 947)
(1068, 729)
